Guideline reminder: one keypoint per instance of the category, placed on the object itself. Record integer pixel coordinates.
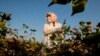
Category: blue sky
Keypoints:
(32, 13)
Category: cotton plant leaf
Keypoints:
(2, 24)
(25, 31)
(62, 2)
(6, 16)
(82, 23)
(3, 16)
(25, 26)
(64, 22)
(98, 24)
(78, 6)
(33, 30)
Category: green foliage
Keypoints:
(4, 19)
(77, 5)
(25, 26)
(59, 2)
(65, 28)
(6, 16)
(33, 30)
(98, 24)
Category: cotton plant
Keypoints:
(4, 23)
(59, 36)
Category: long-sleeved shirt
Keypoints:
(49, 29)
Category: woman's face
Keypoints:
(51, 18)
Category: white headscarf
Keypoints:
(53, 16)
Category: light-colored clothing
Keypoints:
(48, 30)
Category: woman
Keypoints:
(51, 27)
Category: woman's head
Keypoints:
(51, 17)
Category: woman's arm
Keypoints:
(47, 29)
